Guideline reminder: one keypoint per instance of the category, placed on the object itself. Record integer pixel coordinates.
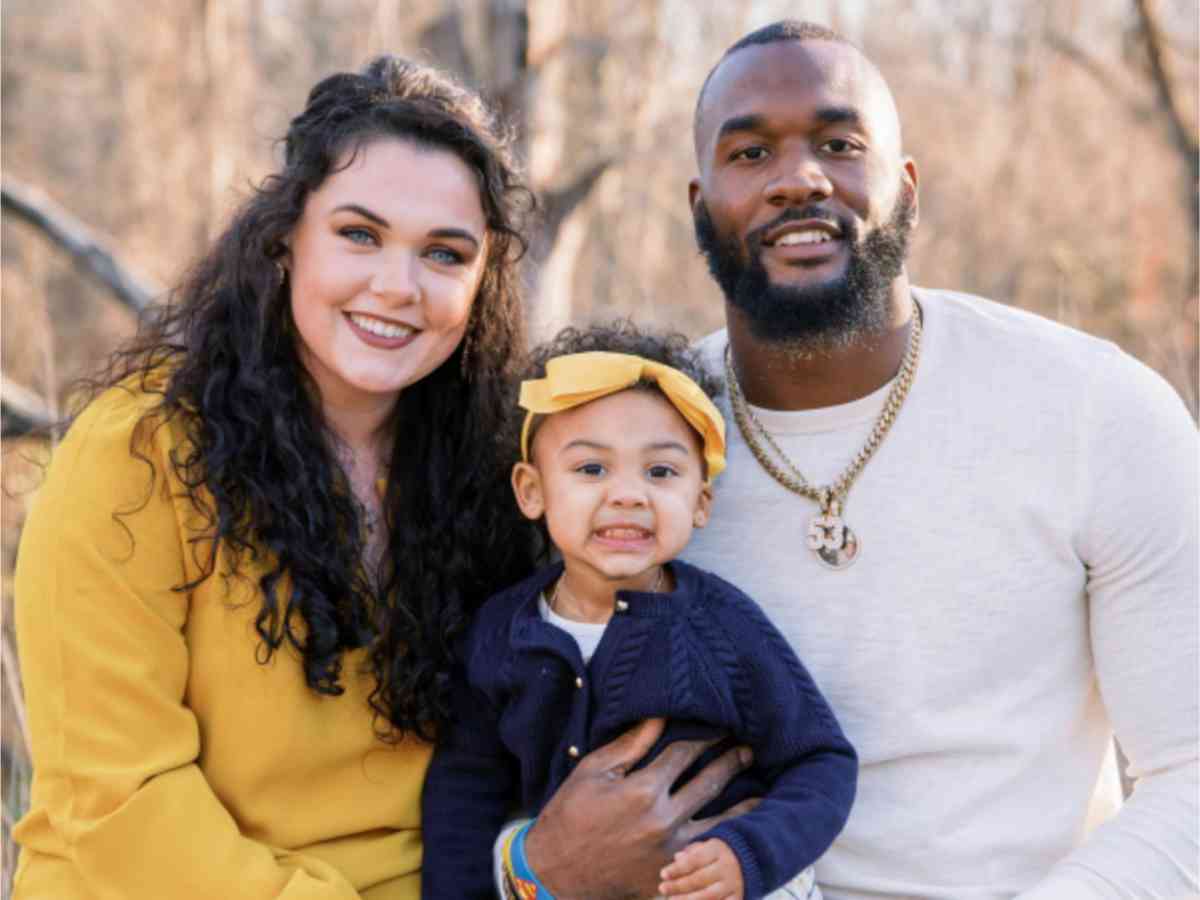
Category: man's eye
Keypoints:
(751, 154)
(840, 146)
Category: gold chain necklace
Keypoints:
(558, 585)
(829, 537)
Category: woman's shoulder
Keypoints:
(124, 417)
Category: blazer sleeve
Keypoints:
(810, 765)
(117, 788)
(470, 792)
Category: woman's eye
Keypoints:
(592, 469)
(662, 472)
(445, 255)
(358, 235)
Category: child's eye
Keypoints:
(662, 471)
(595, 470)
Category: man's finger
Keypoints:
(708, 783)
(674, 760)
(697, 827)
(620, 755)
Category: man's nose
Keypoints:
(799, 179)
(396, 280)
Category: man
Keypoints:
(977, 528)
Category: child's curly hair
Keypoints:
(623, 336)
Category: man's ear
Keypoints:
(693, 193)
(703, 507)
(527, 486)
(912, 181)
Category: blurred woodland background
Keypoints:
(1056, 143)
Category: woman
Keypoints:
(237, 589)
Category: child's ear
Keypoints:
(703, 507)
(527, 485)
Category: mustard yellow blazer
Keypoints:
(168, 762)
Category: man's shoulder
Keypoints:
(1016, 346)
(979, 318)
(711, 349)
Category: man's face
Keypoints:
(804, 203)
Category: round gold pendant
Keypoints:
(831, 539)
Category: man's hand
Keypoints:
(708, 870)
(607, 834)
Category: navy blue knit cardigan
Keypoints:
(704, 656)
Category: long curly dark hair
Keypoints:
(260, 463)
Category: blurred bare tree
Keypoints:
(1056, 143)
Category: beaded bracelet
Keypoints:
(519, 881)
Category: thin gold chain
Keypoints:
(558, 585)
(793, 480)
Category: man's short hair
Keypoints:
(783, 30)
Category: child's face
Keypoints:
(620, 481)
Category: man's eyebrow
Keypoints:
(748, 122)
(838, 115)
(364, 212)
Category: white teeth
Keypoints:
(622, 534)
(379, 327)
(803, 237)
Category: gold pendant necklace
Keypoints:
(828, 535)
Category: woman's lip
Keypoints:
(379, 341)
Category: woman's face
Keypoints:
(384, 264)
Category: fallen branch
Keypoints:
(21, 410)
(87, 247)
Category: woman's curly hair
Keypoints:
(259, 461)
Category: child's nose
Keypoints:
(628, 492)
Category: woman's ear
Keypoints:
(703, 507)
(527, 486)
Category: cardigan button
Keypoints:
(573, 752)
(578, 682)
(622, 606)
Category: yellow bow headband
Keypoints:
(579, 378)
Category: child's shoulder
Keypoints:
(739, 620)
(493, 622)
(718, 594)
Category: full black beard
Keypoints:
(823, 316)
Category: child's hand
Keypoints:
(704, 871)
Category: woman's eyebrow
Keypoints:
(364, 212)
(460, 233)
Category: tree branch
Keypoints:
(1103, 76)
(21, 410)
(559, 204)
(1164, 85)
(87, 247)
